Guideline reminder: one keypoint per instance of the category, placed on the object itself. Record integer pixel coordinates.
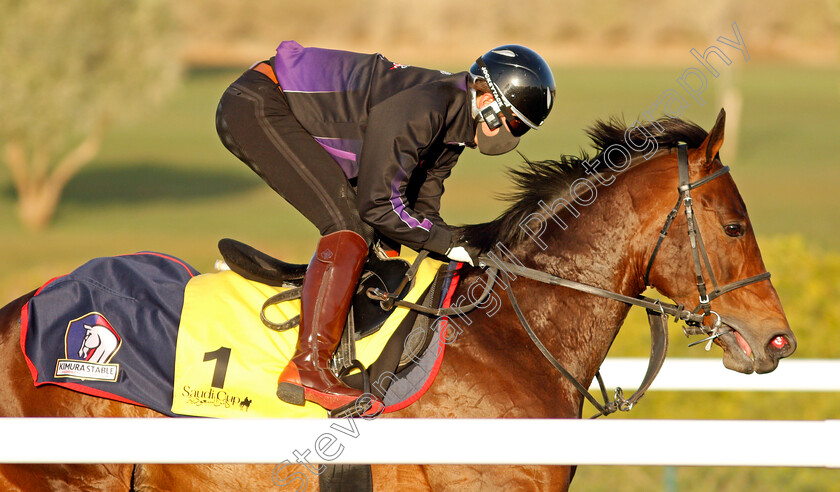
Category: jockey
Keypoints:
(361, 146)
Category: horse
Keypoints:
(594, 220)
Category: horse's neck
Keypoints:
(606, 246)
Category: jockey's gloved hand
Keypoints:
(464, 252)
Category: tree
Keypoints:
(68, 71)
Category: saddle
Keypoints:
(382, 274)
(388, 274)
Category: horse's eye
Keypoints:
(733, 230)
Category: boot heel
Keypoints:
(291, 393)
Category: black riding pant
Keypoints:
(256, 124)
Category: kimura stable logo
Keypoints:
(89, 344)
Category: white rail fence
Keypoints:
(426, 441)
(462, 441)
(710, 375)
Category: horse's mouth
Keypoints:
(737, 353)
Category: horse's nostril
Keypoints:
(781, 345)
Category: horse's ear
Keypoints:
(711, 146)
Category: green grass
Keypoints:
(167, 178)
(165, 183)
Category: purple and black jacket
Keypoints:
(395, 130)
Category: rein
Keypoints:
(657, 311)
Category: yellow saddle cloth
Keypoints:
(227, 362)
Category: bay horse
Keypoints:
(604, 234)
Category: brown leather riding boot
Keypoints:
(324, 302)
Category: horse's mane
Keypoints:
(546, 180)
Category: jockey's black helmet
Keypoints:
(521, 81)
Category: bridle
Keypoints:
(698, 248)
(657, 310)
